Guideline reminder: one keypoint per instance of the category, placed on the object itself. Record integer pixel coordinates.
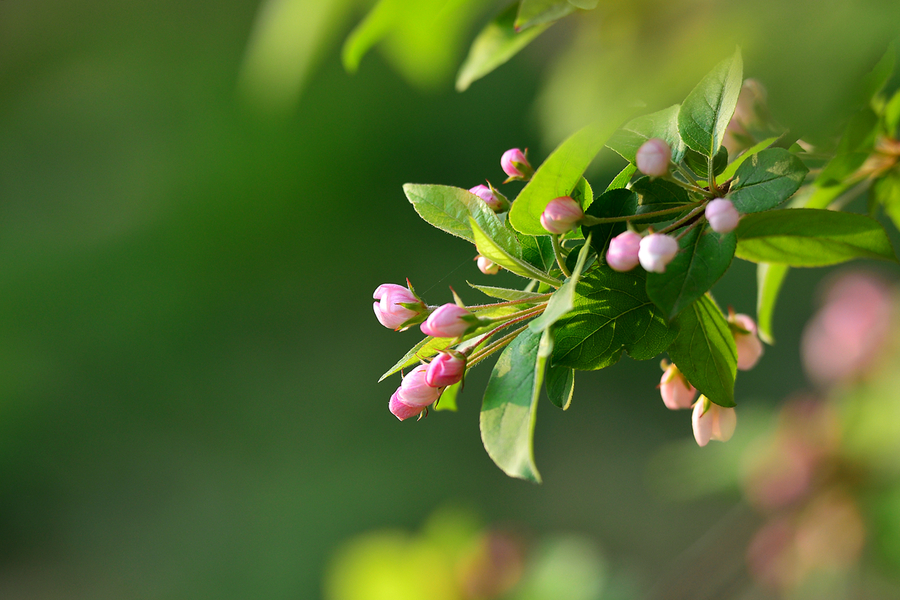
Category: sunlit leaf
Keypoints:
(766, 180)
(769, 278)
(489, 249)
(560, 385)
(706, 111)
(540, 12)
(662, 124)
(564, 299)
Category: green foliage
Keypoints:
(769, 278)
(494, 252)
(706, 111)
(704, 351)
(807, 237)
(532, 13)
(662, 124)
(563, 300)
(699, 163)
(560, 384)
(766, 180)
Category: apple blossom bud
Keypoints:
(516, 165)
(486, 266)
(712, 422)
(401, 409)
(622, 254)
(390, 310)
(561, 215)
(413, 395)
(657, 250)
(749, 348)
(675, 389)
(446, 369)
(448, 321)
(494, 199)
(653, 157)
(723, 217)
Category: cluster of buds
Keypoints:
(711, 421)
(422, 386)
(653, 252)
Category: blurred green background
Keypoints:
(188, 356)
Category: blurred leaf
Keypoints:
(766, 180)
(878, 77)
(510, 405)
(704, 351)
(769, 278)
(706, 111)
(507, 294)
(807, 237)
(699, 164)
(621, 180)
(448, 398)
(370, 31)
(853, 149)
(559, 174)
(497, 43)
(560, 385)
(612, 313)
(702, 259)
(450, 208)
(662, 124)
(564, 299)
(538, 12)
(892, 115)
(565, 568)
(495, 253)
(887, 192)
(730, 170)
(584, 4)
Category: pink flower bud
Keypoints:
(414, 389)
(516, 165)
(653, 157)
(657, 250)
(561, 215)
(494, 199)
(722, 215)
(448, 321)
(389, 309)
(749, 348)
(712, 422)
(446, 369)
(675, 389)
(486, 266)
(622, 254)
(401, 409)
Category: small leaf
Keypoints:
(560, 386)
(769, 278)
(703, 258)
(766, 180)
(887, 192)
(539, 12)
(536, 249)
(448, 397)
(699, 164)
(497, 43)
(612, 313)
(732, 168)
(892, 115)
(659, 194)
(876, 79)
(807, 237)
(621, 180)
(563, 300)
(559, 174)
(704, 351)
(662, 124)
(507, 294)
(614, 203)
(706, 111)
(493, 252)
(510, 406)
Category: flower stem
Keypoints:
(590, 221)
(560, 259)
(494, 347)
(684, 219)
(533, 300)
(690, 187)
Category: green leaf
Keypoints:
(508, 294)
(584, 4)
(612, 313)
(853, 149)
(807, 237)
(584, 196)
(495, 253)
(560, 385)
(536, 250)
(886, 191)
(497, 43)
(706, 111)
(539, 12)
(892, 115)
(369, 32)
(766, 180)
(732, 168)
(704, 351)
(559, 174)
(769, 278)
(621, 180)
(876, 79)
(703, 258)
(563, 300)
(662, 124)
(448, 397)
(510, 406)
(658, 194)
(699, 164)
(614, 203)
(450, 208)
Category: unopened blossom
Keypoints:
(413, 395)
(516, 165)
(445, 369)
(723, 217)
(712, 422)
(749, 348)
(656, 251)
(653, 157)
(487, 266)
(389, 309)
(448, 321)
(676, 391)
(561, 215)
(622, 254)
(494, 199)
